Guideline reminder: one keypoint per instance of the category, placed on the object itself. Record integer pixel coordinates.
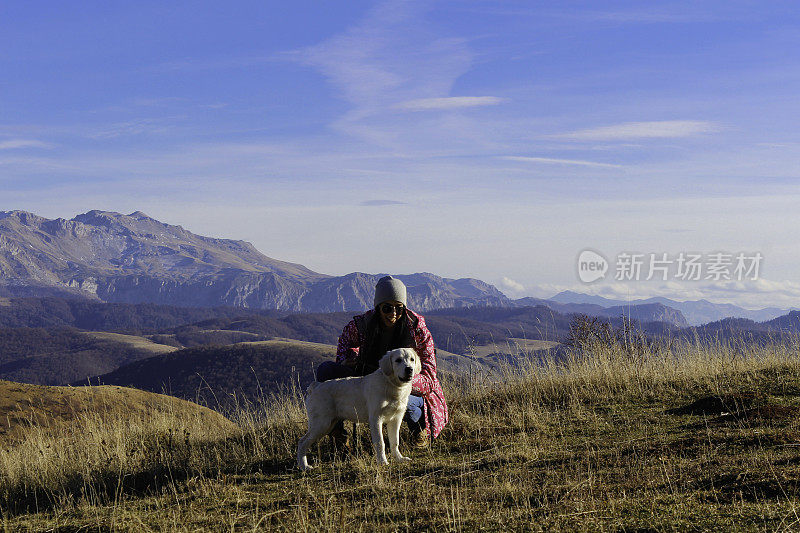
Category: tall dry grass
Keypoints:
(613, 369)
(94, 458)
(97, 463)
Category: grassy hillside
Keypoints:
(698, 438)
(54, 409)
(134, 341)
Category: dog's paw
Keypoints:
(404, 459)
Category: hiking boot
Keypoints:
(420, 439)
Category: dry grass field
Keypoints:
(327, 349)
(697, 438)
(134, 341)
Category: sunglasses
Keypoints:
(388, 308)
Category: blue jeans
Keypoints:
(413, 417)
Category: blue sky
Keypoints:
(486, 139)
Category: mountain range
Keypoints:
(136, 259)
(115, 258)
(695, 312)
(645, 312)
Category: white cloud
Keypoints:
(133, 127)
(514, 287)
(658, 14)
(677, 13)
(642, 130)
(22, 143)
(450, 102)
(552, 161)
(157, 102)
(217, 63)
(380, 203)
(616, 290)
(393, 55)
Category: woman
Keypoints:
(364, 340)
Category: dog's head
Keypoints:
(401, 364)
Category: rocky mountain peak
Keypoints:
(23, 217)
(137, 223)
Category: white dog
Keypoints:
(380, 397)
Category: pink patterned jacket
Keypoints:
(425, 384)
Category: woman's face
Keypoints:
(390, 313)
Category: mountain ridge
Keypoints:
(116, 258)
(696, 312)
(134, 258)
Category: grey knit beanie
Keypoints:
(389, 289)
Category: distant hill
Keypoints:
(457, 330)
(133, 258)
(196, 326)
(785, 324)
(571, 297)
(58, 352)
(121, 318)
(644, 312)
(57, 356)
(216, 376)
(22, 405)
(789, 322)
(696, 312)
(648, 312)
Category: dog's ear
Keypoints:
(386, 364)
(417, 363)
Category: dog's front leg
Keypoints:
(393, 428)
(376, 427)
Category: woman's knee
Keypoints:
(324, 371)
(332, 370)
(414, 410)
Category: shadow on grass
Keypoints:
(103, 489)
